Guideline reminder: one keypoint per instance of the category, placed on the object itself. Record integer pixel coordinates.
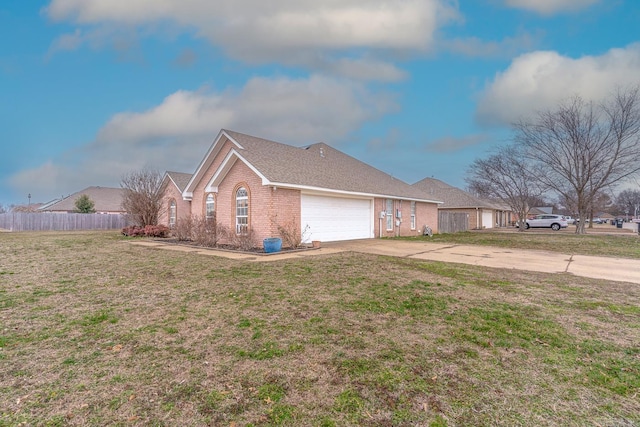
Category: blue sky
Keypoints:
(93, 89)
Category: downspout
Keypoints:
(477, 219)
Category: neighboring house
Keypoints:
(249, 183)
(106, 201)
(481, 213)
(605, 216)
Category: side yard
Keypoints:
(95, 331)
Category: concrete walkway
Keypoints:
(597, 267)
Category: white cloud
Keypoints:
(549, 7)
(175, 134)
(366, 70)
(505, 48)
(539, 80)
(66, 42)
(280, 30)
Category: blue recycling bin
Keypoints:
(272, 244)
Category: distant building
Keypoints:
(106, 201)
(480, 213)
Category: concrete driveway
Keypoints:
(616, 269)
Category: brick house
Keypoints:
(251, 183)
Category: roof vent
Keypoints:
(321, 152)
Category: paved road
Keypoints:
(617, 269)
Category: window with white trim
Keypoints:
(210, 206)
(413, 215)
(242, 211)
(172, 213)
(389, 214)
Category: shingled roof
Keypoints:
(105, 199)
(313, 167)
(180, 179)
(452, 197)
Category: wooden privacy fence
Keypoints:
(49, 221)
(452, 222)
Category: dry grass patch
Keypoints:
(96, 331)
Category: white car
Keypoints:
(555, 222)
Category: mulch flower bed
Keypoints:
(232, 248)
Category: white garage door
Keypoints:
(330, 219)
(487, 219)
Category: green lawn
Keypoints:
(96, 331)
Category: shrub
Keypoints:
(147, 231)
(183, 229)
(156, 230)
(207, 232)
(244, 242)
(290, 232)
(133, 231)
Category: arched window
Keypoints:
(172, 213)
(242, 211)
(210, 206)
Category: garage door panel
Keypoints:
(487, 219)
(334, 218)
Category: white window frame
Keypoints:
(389, 214)
(242, 211)
(173, 210)
(413, 215)
(210, 206)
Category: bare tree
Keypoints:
(584, 148)
(629, 201)
(509, 177)
(142, 199)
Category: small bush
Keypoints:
(147, 231)
(244, 242)
(207, 232)
(290, 232)
(201, 231)
(183, 229)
